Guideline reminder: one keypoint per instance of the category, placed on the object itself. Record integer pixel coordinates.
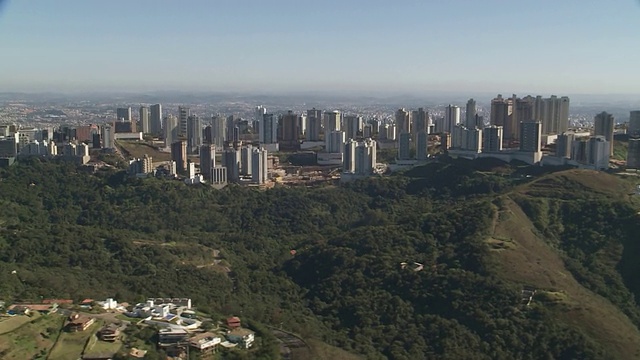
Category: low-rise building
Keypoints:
(243, 337)
(79, 323)
(109, 333)
(205, 343)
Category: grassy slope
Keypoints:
(31, 339)
(528, 260)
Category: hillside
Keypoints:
(427, 264)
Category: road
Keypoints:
(288, 342)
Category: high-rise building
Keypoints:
(289, 131)
(334, 142)
(246, 155)
(633, 154)
(470, 114)
(218, 175)
(218, 131)
(123, 114)
(522, 112)
(332, 121)
(144, 119)
(314, 124)
(259, 166)
(403, 121)
(451, 118)
(466, 139)
(231, 160)
(268, 129)
(258, 115)
(387, 132)
(530, 136)
(183, 116)
(367, 131)
(553, 114)
(156, 119)
(404, 146)
(422, 145)
(492, 138)
(634, 124)
(194, 133)
(179, 155)
(230, 127)
(349, 159)
(579, 150)
(353, 126)
(564, 144)
(171, 130)
(603, 126)
(420, 120)
(499, 111)
(108, 136)
(598, 152)
(207, 160)
(365, 157)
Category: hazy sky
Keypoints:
(543, 46)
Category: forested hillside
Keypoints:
(403, 267)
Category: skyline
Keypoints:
(357, 47)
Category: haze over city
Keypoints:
(342, 47)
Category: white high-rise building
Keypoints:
(145, 120)
(259, 115)
(365, 157)
(470, 115)
(451, 118)
(218, 175)
(259, 164)
(334, 142)
(171, 130)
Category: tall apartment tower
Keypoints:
(289, 131)
(499, 111)
(155, 121)
(183, 115)
(349, 160)
(145, 120)
(207, 160)
(231, 160)
(403, 121)
(451, 118)
(353, 126)
(530, 136)
(422, 145)
(633, 154)
(634, 124)
(564, 144)
(259, 114)
(470, 115)
(334, 142)
(179, 155)
(107, 134)
(598, 152)
(492, 138)
(603, 126)
(246, 155)
(365, 157)
(404, 146)
(171, 130)
(124, 114)
(314, 124)
(218, 133)
(332, 121)
(259, 164)
(420, 120)
(194, 133)
(268, 129)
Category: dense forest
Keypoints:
(396, 267)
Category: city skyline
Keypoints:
(458, 46)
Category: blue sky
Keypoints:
(561, 46)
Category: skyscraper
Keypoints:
(156, 119)
(171, 130)
(633, 154)
(332, 121)
(268, 129)
(499, 111)
(603, 126)
(353, 126)
(246, 155)
(229, 127)
(555, 114)
(492, 139)
(349, 160)
(451, 118)
(466, 139)
(259, 115)
(259, 166)
(314, 124)
(365, 157)
(218, 131)
(183, 115)
(404, 146)
(107, 135)
(231, 160)
(334, 142)
(420, 120)
(123, 114)
(194, 133)
(564, 144)
(179, 155)
(634, 124)
(289, 131)
(598, 152)
(470, 115)
(207, 160)
(403, 121)
(530, 136)
(144, 119)
(422, 145)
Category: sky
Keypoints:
(288, 46)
